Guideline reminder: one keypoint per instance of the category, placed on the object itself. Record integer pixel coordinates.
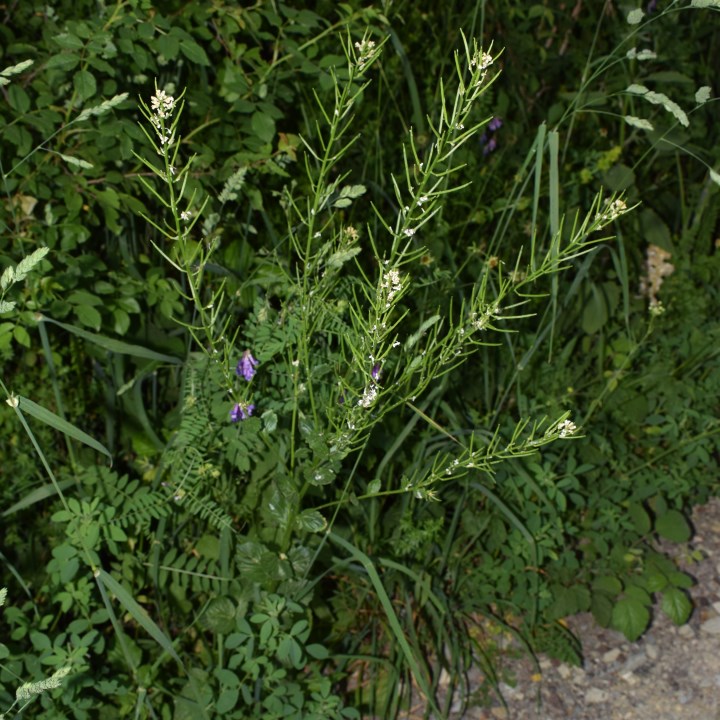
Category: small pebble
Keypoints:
(711, 626)
(563, 671)
(629, 678)
(634, 662)
(651, 651)
(716, 606)
(611, 655)
(686, 631)
(595, 695)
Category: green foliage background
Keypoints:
(252, 570)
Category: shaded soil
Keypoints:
(670, 673)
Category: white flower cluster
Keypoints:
(612, 211)
(369, 396)
(365, 50)
(392, 285)
(162, 104)
(566, 428)
(657, 268)
(481, 320)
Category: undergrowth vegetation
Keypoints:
(338, 342)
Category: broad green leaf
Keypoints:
(115, 346)
(27, 406)
(635, 17)
(7, 305)
(635, 592)
(139, 613)
(673, 526)
(608, 584)
(263, 126)
(220, 615)
(311, 521)
(601, 608)
(85, 84)
(680, 579)
(193, 52)
(68, 42)
(89, 316)
(640, 518)
(630, 617)
(676, 605)
(705, 4)
(655, 582)
(62, 61)
(21, 336)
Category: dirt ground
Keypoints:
(670, 673)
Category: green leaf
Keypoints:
(673, 526)
(38, 495)
(89, 316)
(193, 52)
(705, 4)
(26, 405)
(138, 613)
(115, 346)
(311, 521)
(601, 607)
(263, 126)
(62, 61)
(220, 615)
(676, 605)
(608, 584)
(85, 84)
(680, 579)
(21, 336)
(635, 17)
(68, 42)
(640, 518)
(630, 617)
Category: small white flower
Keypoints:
(566, 428)
(162, 104)
(185, 215)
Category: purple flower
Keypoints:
(652, 6)
(495, 124)
(375, 371)
(246, 366)
(491, 145)
(239, 412)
